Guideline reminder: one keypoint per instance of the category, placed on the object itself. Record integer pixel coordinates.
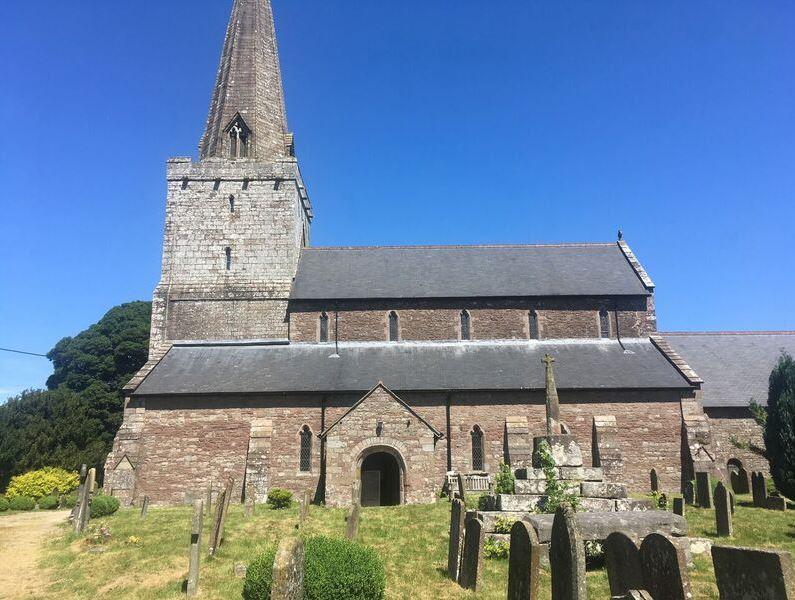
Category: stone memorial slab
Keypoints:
(288, 571)
(654, 481)
(753, 574)
(567, 558)
(622, 560)
(689, 493)
(565, 450)
(461, 487)
(723, 513)
(679, 506)
(524, 563)
(145, 508)
(457, 513)
(703, 490)
(664, 567)
(194, 558)
(739, 481)
(352, 525)
(599, 489)
(597, 526)
(776, 503)
(472, 556)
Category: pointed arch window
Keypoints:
(323, 327)
(394, 327)
(239, 137)
(466, 325)
(231, 204)
(604, 323)
(477, 449)
(306, 449)
(533, 319)
(228, 252)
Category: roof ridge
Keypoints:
(719, 333)
(464, 246)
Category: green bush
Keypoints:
(779, 430)
(102, 506)
(3, 504)
(495, 548)
(505, 481)
(22, 503)
(70, 500)
(279, 498)
(335, 569)
(48, 503)
(37, 484)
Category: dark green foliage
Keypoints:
(780, 425)
(334, 569)
(102, 506)
(3, 504)
(74, 421)
(70, 500)
(279, 498)
(48, 503)
(22, 503)
(259, 576)
(505, 481)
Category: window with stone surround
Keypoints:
(533, 319)
(477, 449)
(604, 323)
(306, 449)
(466, 333)
(231, 204)
(394, 327)
(228, 252)
(239, 135)
(323, 327)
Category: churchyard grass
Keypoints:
(411, 540)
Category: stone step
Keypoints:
(582, 473)
(518, 502)
(539, 487)
(600, 489)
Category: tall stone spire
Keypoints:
(247, 114)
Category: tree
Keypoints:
(75, 420)
(780, 425)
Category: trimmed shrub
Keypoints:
(259, 576)
(70, 500)
(780, 425)
(3, 504)
(22, 503)
(335, 569)
(48, 503)
(102, 506)
(37, 484)
(279, 498)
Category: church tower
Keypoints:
(237, 219)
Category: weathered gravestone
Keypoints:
(776, 503)
(752, 574)
(461, 487)
(524, 563)
(567, 558)
(457, 510)
(622, 560)
(739, 480)
(732, 501)
(688, 493)
(306, 500)
(664, 568)
(288, 571)
(760, 490)
(215, 532)
(352, 526)
(145, 507)
(195, 548)
(472, 556)
(75, 514)
(723, 512)
(208, 506)
(249, 507)
(84, 514)
(679, 506)
(703, 490)
(654, 481)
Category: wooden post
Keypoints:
(195, 548)
(209, 504)
(85, 505)
(80, 491)
(144, 508)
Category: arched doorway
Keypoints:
(382, 479)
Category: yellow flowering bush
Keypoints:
(37, 484)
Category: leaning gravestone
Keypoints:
(84, 514)
(461, 487)
(567, 558)
(688, 493)
(215, 532)
(352, 528)
(654, 481)
(679, 506)
(288, 571)
(664, 568)
(524, 563)
(306, 500)
(622, 560)
(472, 557)
(723, 512)
(195, 549)
(457, 511)
(75, 515)
(752, 574)
(703, 490)
(145, 508)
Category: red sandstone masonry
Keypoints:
(737, 423)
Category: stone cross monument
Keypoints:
(553, 405)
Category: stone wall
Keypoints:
(422, 320)
(736, 423)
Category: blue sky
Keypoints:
(416, 122)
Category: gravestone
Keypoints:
(195, 548)
(703, 490)
(664, 568)
(723, 512)
(457, 510)
(759, 489)
(249, 508)
(524, 563)
(688, 493)
(306, 500)
(622, 560)
(679, 506)
(739, 480)
(567, 558)
(472, 556)
(352, 527)
(461, 487)
(776, 503)
(75, 514)
(732, 500)
(230, 484)
(208, 506)
(215, 531)
(145, 507)
(288, 571)
(654, 481)
(84, 514)
(753, 574)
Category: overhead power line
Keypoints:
(22, 352)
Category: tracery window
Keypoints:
(239, 137)
(306, 449)
(323, 327)
(534, 333)
(394, 327)
(477, 449)
(466, 330)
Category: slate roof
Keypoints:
(735, 366)
(468, 272)
(581, 364)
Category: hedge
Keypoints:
(3, 504)
(37, 484)
(102, 506)
(279, 498)
(22, 503)
(48, 503)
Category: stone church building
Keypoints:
(285, 365)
